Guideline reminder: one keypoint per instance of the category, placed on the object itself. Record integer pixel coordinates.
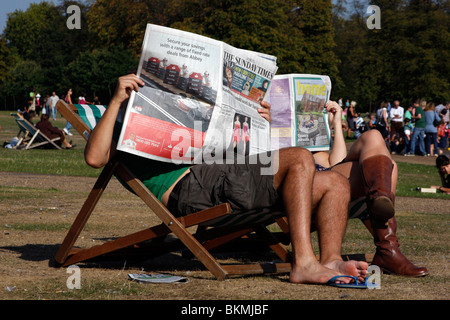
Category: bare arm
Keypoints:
(385, 118)
(100, 147)
(339, 151)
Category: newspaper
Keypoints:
(155, 278)
(199, 101)
(298, 113)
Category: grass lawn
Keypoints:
(33, 222)
(71, 162)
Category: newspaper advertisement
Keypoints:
(299, 117)
(199, 101)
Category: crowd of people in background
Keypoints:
(421, 128)
(44, 108)
(37, 104)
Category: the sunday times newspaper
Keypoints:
(199, 101)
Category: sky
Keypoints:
(9, 6)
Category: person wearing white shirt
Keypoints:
(53, 100)
(396, 115)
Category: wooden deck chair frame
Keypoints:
(67, 255)
(22, 133)
(36, 137)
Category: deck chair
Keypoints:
(31, 137)
(215, 226)
(22, 131)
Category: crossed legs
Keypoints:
(328, 194)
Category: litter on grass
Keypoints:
(155, 278)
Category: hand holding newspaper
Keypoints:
(199, 101)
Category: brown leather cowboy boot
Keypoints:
(377, 174)
(388, 255)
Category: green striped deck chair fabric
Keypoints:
(357, 210)
(90, 114)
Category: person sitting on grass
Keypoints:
(52, 132)
(292, 183)
(373, 179)
(443, 166)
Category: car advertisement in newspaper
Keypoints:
(183, 114)
(299, 117)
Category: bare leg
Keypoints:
(65, 142)
(294, 179)
(369, 144)
(351, 170)
(331, 221)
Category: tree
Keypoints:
(25, 76)
(299, 34)
(96, 71)
(123, 22)
(40, 34)
(6, 59)
(407, 58)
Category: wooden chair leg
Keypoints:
(156, 232)
(84, 213)
(273, 243)
(173, 224)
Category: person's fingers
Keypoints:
(265, 105)
(265, 114)
(265, 110)
(129, 83)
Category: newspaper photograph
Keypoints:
(299, 117)
(199, 101)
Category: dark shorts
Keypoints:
(322, 168)
(245, 186)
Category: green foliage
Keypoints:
(408, 58)
(110, 39)
(40, 35)
(123, 22)
(98, 69)
(23, 75)
(302, 39)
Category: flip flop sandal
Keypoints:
(352, 285)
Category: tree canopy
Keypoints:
(407, 58)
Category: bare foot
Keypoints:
(314, 273)
(351, 268)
